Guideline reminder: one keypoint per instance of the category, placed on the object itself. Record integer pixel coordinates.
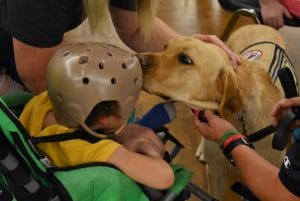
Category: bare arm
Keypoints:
(127, 26)
(141, 139)
(150, 171)
(31, 64)
(272, 12)
(281, 107)
(141, 157)
(260, 176)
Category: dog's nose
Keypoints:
(144, 59)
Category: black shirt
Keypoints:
(289, 173)
(42, 23)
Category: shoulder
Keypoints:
(46, 20)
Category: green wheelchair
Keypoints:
(25, 174)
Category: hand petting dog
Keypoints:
(234, 58)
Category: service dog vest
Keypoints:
(272, 55)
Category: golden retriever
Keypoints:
(201, 75)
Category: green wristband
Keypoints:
(226, 135)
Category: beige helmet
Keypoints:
(82, 75)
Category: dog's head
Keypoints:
(194, 72)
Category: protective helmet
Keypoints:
(80, 76)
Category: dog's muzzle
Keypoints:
(144, 60)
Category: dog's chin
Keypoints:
(161, 95)
(166, 98)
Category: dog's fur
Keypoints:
(201, 75)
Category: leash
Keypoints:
(260, 134)
(281, 136)
(256, 136)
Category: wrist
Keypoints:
(230, 141)
(226, 135)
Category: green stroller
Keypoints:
(25, 174)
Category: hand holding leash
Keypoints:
(281, 136)
(200, 115)
(211, 125)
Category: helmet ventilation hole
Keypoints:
(59, 97)
(113, 80)
(124, 66)
(136, 81)
(101, 66)
(83, 60)
(66, 54)
(109, 54)
(85, 80)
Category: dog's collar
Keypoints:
(241, 117)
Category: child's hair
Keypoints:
(98, 15)
(103, 109)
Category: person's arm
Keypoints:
(31, 64)
(150, 171)
(272, 12)
(127, 26)
(259, 175)
(141, 157)
(140, 139)
(37, 28)
(281, 107)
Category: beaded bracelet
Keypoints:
(226, 135)
(230, 139)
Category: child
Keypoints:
(92, 87)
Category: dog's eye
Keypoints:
(166, 46)
(183, 58)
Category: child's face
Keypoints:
(111, 123)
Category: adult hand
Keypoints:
(215, 40)
(215, 126)
(281, 107)
(140, 139)
(273, 12)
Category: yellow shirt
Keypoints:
(65, 153)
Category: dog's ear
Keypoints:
(231, 99)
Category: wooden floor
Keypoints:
(206, 16)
